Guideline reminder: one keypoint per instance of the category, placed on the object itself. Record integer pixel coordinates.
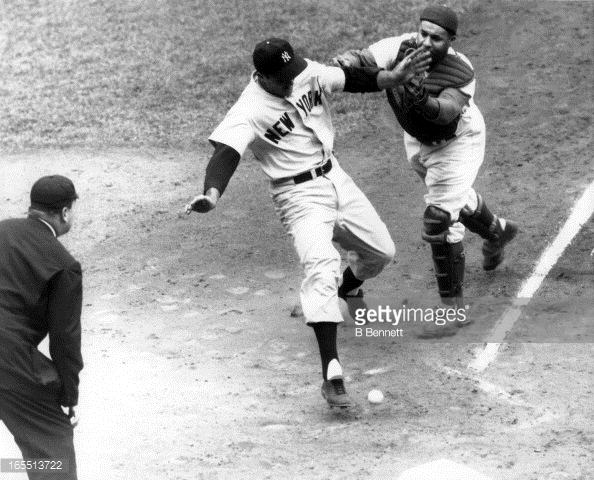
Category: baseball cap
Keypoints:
(52, 191)
(443, 16)
(275, 56)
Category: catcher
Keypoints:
(444, 138)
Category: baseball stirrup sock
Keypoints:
(326, 336)
(334, 369)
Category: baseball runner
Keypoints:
(444, 138)
(283, 116)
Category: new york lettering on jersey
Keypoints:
(310, 102)
(280, 129)
(285, 125)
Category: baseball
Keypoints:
(375, 397)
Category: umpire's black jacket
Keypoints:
(40, 294)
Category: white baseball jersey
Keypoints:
(385, 52)
(289, 135)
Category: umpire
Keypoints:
(41, 294)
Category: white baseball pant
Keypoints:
(449, 171)
(316, 213)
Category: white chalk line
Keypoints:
(539, 413)
(581, 213)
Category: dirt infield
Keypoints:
(195, 367)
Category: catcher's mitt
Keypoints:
(415, 94)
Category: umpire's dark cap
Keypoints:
(276, 57)
(443, 16)
(53, 192)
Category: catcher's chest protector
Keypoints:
(451, 72)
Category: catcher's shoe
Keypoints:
(432, 330)
(493, 252)
(465, 323)
(449, 329)
(335, 394)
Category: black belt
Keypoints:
(313, 173)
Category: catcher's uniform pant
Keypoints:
(449, 171)
(41, 430)
(316, 213)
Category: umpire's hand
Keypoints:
(72, 413)
(204, 203)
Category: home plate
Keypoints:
(442, 470)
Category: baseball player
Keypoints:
(283, 116)
(444, 138)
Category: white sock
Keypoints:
(334, 370)
(502, 223)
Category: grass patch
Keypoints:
(130, 73)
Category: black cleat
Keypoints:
(493, 251)
(335, 393)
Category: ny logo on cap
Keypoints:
(285, 56)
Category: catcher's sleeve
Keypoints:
(357, 58)
(451, 103)
(444, 109)
(221, 167)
